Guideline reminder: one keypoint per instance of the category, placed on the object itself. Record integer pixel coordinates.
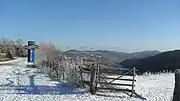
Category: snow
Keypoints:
(18, 83)
(11, 61)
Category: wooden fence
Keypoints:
(176, 93)
(101, 78)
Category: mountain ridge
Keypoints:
(111, 57)
(169, 60)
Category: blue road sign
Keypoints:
(31, 52)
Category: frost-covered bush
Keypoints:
(56, 64)
(157, 73)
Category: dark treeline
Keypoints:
(168, 61)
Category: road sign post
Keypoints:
(31, 47)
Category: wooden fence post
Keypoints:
(81, 76)
(134, 73)
(93, 81)
(176, 94)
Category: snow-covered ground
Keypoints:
(12, 61)
(18, 83)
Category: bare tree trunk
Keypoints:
(176, 94)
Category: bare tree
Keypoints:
(54, 63)
(19, 49)
(14, 47)
(6, 46)
(46, 52)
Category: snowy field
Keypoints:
(18, 83)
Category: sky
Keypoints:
(120, 25)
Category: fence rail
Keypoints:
(100, 81)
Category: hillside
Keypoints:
(164, 61)
(111, 57)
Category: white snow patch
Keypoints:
(18, 83)
(12, 61)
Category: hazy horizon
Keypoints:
(126, 26)
(106, 49)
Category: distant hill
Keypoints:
(143, 54)
(111, 57)
(164, 61)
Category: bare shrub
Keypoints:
(15, 47)
(56, 64)
(46, 52)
